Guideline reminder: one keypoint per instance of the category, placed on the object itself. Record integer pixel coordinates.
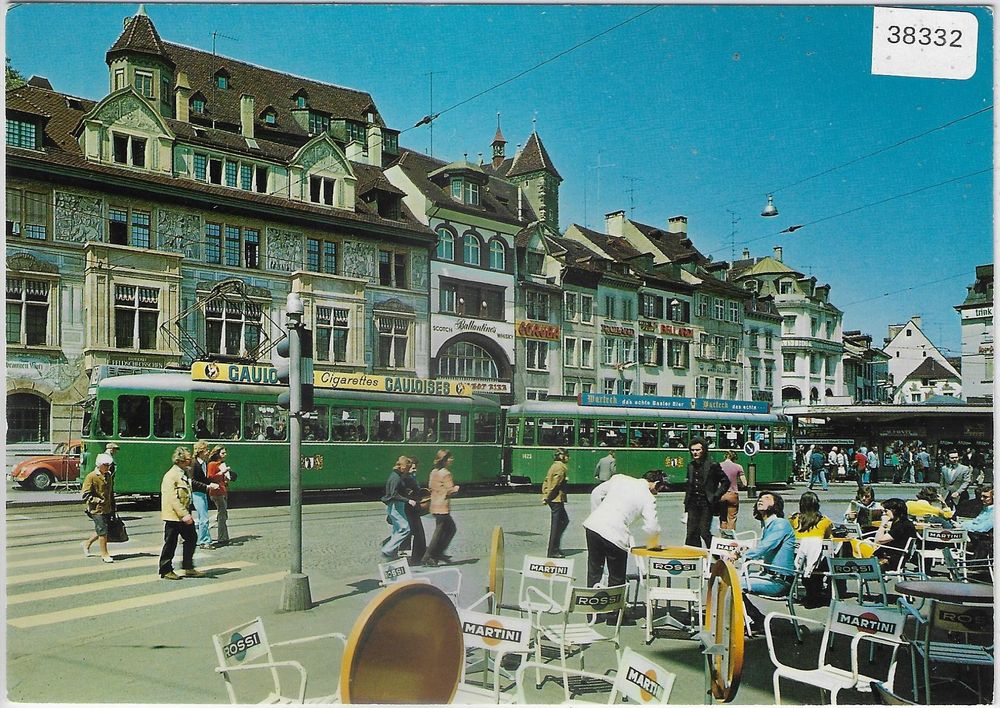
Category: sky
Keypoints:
(656, 110)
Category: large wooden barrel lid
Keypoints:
(724, 623)
(496, 566)
(406, 647)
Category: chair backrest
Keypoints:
(853, 528)
(850, 619)
(546, 574)
(724, 548)
(243, 645)
(866, 572)
(967, 619)
(941, 536)
(395, 571)
(594, 600)
(447, 580)
(641, 681)
(903, 558)
(886, 697)
(495, 634)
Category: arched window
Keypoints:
(446, 245)
(814, 395)
(467, 360)
(497, 256)
(790, 394)
(27, 418)
(470, 249)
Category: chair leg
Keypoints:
(562, 654)
(776, 680)
(649, 621)
(927, 677)
(913, 670)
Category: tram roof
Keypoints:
(571, 408)
(889, 412)
(183, 383)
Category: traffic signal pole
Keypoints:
(295, 595)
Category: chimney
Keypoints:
(614, 223)
(182, 98)
(374, 145)
(354, 151)
(746, 254)
(246, 115)
(677, 225)
(893, 331)
(777, 253)
(917, 320)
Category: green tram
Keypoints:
(351, 441)
(643, 440)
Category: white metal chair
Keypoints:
(727, 549)
(570, 636)
(881, 625)
(866, 572)
(933, 542)
(670, 580)
(898, 571)
(497, 637)
(949, 619)
(245, 648)
(544, 585)
(636, 680)
(447, 580)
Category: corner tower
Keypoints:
(139, 58)
(537, 178)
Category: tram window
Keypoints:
(586, 434)
(169, 418)
(315, 427)
(421, 426)
(512, 426)
(759, 433)
(106, 418)
(528, 437)
(217, 420)
(388, 426)
(133, 417)
(780, 436)
(707, 432)
(675, 436)
(347, 424)
(557, 433)
(642, 434)
(732, 436)
(611, 433)
(455, 427)
(263, 421)
(484, 428)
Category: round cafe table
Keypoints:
(947, 591)
(670, 552)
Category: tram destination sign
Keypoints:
(673, 403)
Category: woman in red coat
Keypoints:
(220, 473)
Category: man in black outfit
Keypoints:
(706, 483)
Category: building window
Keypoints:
(251, 248)
(788, 324)
(651, 351)
(536, 305)
(213, 243)
(447, 299)
(321, 256)
(498, 256)
(332, 328)
(609, 386)
(609, 307)
(734, 349)
(468, 361)
(755, 373)
(221, 81)
(829, 329)
(769, 375)
(356, 131)
(785, 287)
(27, 311)
(569, 351)
(618, 351)
(392, 269)
(569, 307)
(734, 390)
(720, 308)
(586, 308)
(137, 312)
(473, 300)
(815, 364)
(586, 353)
(200, 167)
(625, 387)
(470, 249)
(271, 118)
(321, 190)
(128, 150)
(144, 83)
(719, 348)
(445, 245)
(537, 355)
(390, 141)
(197, 105)
(126, 231)
(701, 387)
(232, 168)
(536, 263)
(471, 193)
(456, 189)
(569, 388)
(21, 133)
(752, 285)
(627, 310)
(393, 339)
(649, 389)
(318, 123)
(651, 306)
(536, 394)
(27, 214)
(232, 327)
(300, 101)
(678, 354)
(734, 311)
(788, 363)
(814, 326)
(27, 418)
(704, 346)
(232, 245)
(119, 79)
(768, 340)
(677, 390)
(720, 388)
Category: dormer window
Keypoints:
(222, 80)
(355, 131)
(536, 263)
(300, 101)
(271, 118)
(465, 191)
(318, 123)
(144, 83)
(388, 206)
(752, 285)
(129, 150)
(22, 133)
(321, 190)
(390, 141)
(197, 105)
(785, 287)
(471, 193)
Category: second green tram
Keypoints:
(351, 440)
(642, 439)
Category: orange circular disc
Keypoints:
(406, 647)
(724, 623)
(496, 566)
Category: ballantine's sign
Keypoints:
(618, 331)
(537, 330)
(673, 403)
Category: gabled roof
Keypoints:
(676, 246)
(533, 158)
(930, 368)
(139, 35)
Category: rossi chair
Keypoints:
(245, 650)
(861, 577)
(670, 580)
(447, 580)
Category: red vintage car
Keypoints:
(42, 472)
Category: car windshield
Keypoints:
(62, 449)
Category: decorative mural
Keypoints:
(129, 111)
(318, 152)
(27, 263)
(418, 270)
(284, 250)
(178, 232)
(359, 260)
(77, 218)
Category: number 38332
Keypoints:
(938, 36)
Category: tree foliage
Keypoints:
(14, 77)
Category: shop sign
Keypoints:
(676, 331)
(986, 349)
(234, 373)
(915, 432)
(977, 312)
(488, 386)
(673, 403)
(141, 362)
(390, 384)
(617, 330)
(647, 326)
(469, 325)
(537, 330)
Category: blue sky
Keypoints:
(699, 110)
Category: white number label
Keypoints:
(931, 44)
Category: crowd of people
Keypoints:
(899, 462)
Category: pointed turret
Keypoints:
(140, 59)
(533, 158)
(533, 172)
(139, 37)
(499, 146)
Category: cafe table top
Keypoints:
(947, 590)
(674, 552)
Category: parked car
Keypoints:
(43, 471)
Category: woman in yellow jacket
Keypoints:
(810, 523)
(442, 486)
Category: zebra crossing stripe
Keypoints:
(55, 593)
(78, 555)
(92, 565)
(198, 588)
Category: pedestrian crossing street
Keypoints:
(49, 580)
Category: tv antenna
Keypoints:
(733, 220)
(631, 193)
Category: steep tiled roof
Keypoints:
(371, 178)
(498, 201)
(501, 170)
(763, 307)
(618, 248)
(532, 159)
(675, 246)
(930, 368)
(139, 35)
